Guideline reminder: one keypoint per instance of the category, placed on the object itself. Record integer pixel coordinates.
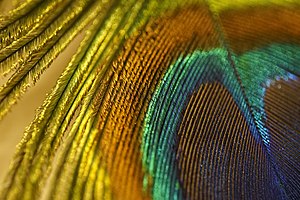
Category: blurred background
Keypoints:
(12, 126)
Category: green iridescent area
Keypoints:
(259, 68)
(256, 69)
(164, 113)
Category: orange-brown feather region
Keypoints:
(218, 157)
(282, 106)
(134, 77)
(254, 27)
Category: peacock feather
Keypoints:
(163, 99)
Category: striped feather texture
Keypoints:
(170, 99)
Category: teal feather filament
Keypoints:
(258, 68)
